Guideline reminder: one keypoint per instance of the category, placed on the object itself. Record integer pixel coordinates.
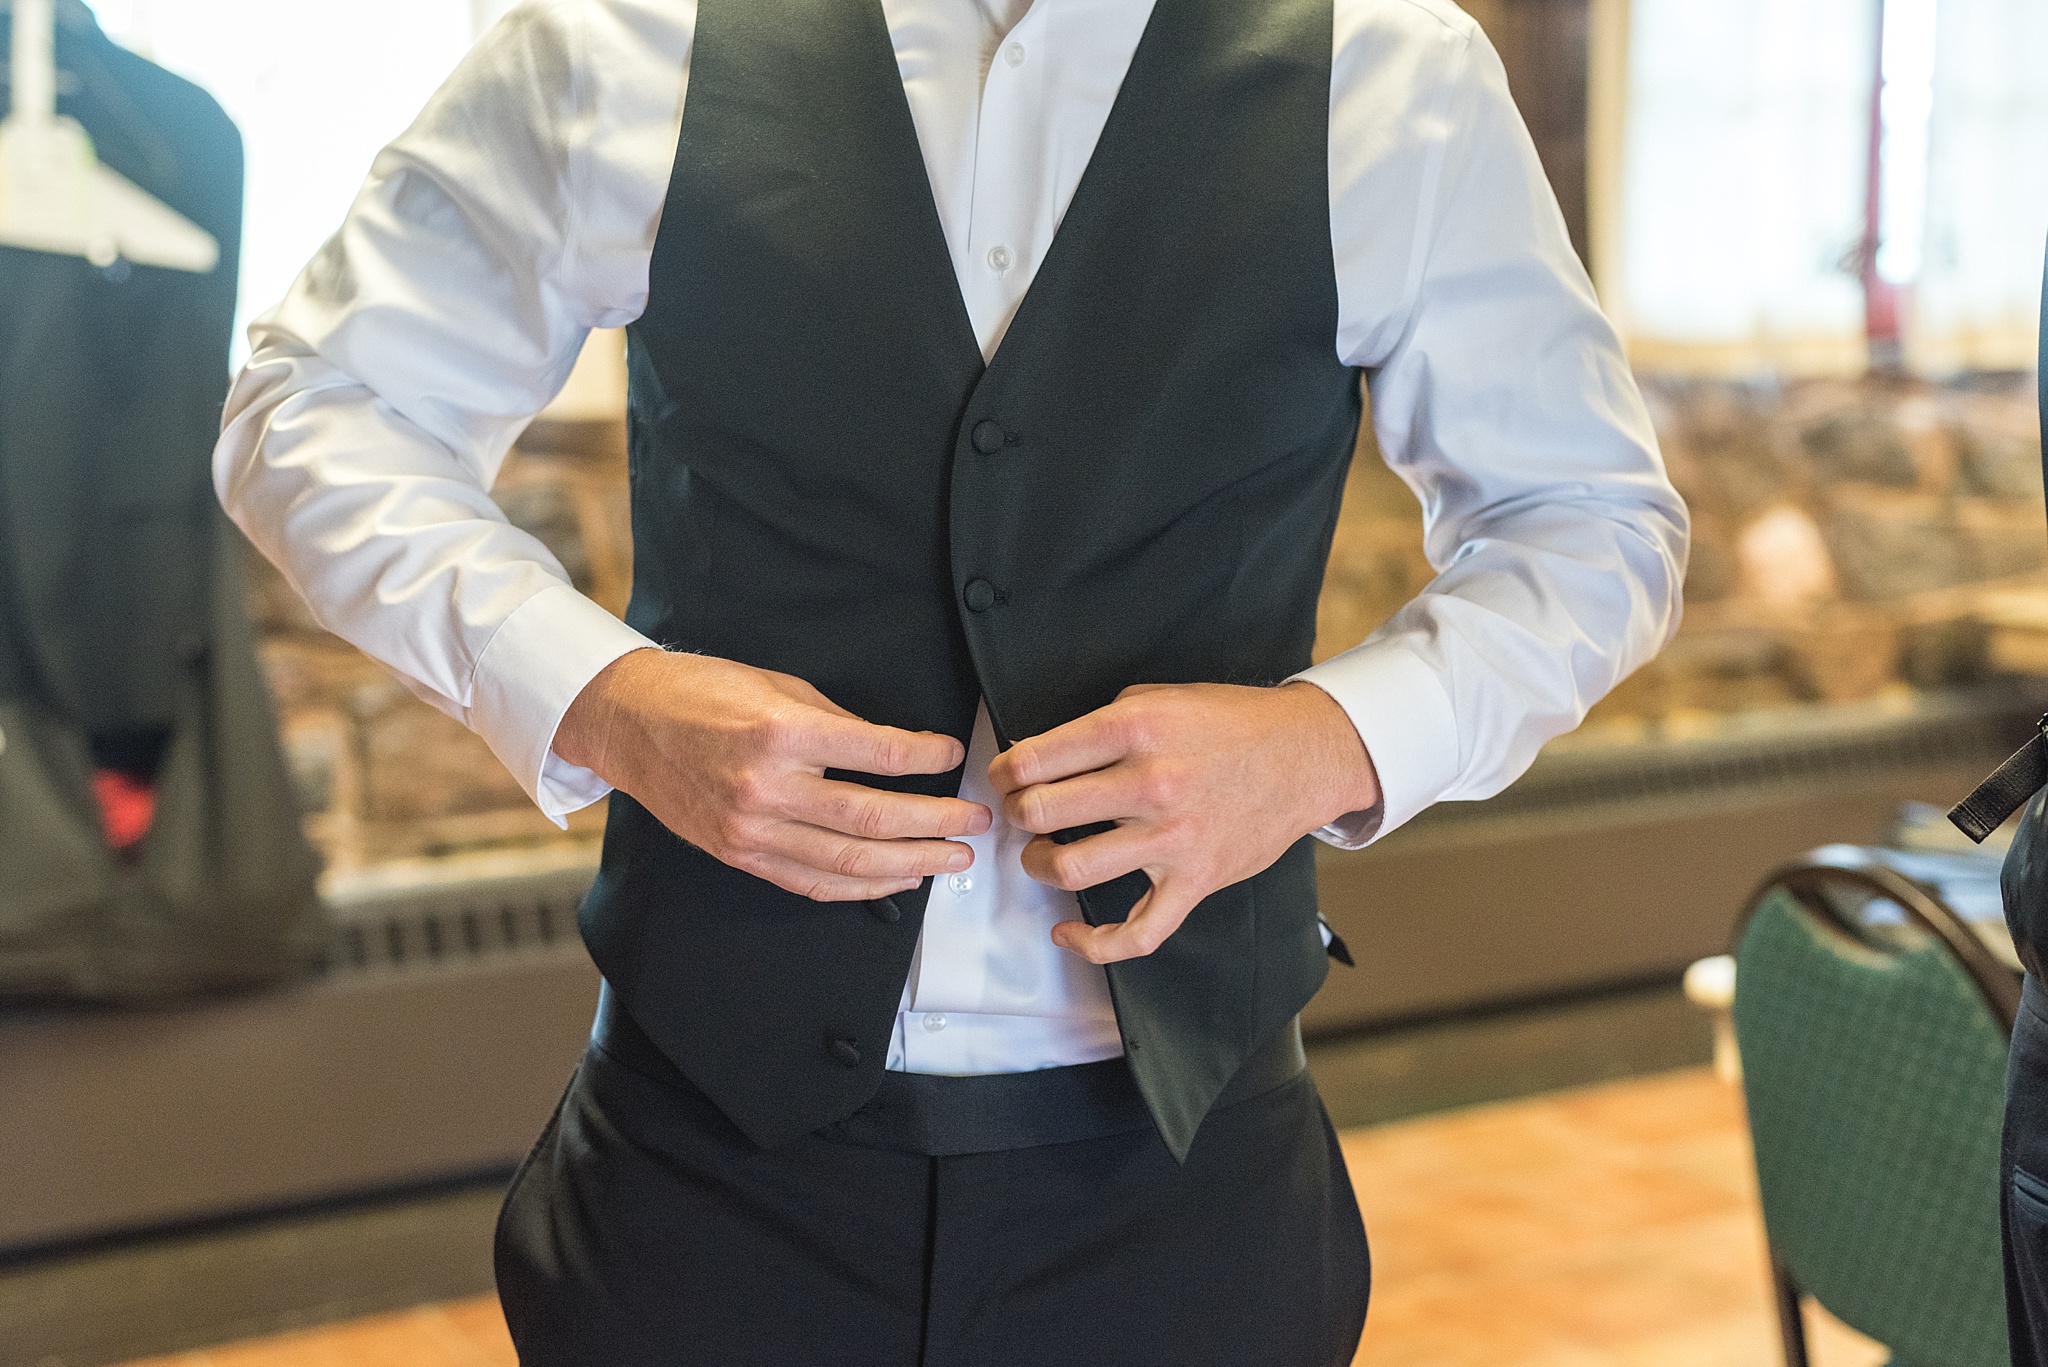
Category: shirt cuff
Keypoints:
(538, 661)
(1404, 716)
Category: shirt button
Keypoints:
(988, 437)
(935, 1021)
(1014, 54)
(999, 257)
(981, 595)
(961, 884)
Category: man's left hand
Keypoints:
(1208, 784)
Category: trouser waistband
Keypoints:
(947, 1116)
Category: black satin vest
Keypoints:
(1140, 488)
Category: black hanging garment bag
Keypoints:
(149, 836)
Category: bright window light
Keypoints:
(1745, 173)
(1905, 110)
(317, 87)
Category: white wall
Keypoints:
(1742, 183)
(317, 88)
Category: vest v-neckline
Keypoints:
(1084, 191)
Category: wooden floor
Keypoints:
(1613, 1226)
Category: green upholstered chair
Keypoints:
(1873, 1026)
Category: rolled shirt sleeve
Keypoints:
(1501, 396)
(383, 393)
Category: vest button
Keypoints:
(884, 909)
(847, 1052)
(989, 437)
(981, 595)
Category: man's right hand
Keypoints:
(733, 760)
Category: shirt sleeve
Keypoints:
(360, 442)
(1501, 396)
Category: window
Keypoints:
(1976, 305)
(317, 87)
(1747, 186)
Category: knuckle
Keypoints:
(1069, 870)
(1029, 812)
(868, 816)
(853, 861)
(959, 820)
(736, 833)
(753, 788)
(892, 753)
(1023, 769)
(779, 733)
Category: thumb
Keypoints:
(1158, 914)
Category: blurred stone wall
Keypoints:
(1847, 537)
(384, 776)
(1852, 540)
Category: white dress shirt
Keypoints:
(520, 211)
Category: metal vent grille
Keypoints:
(452, 920)
(1800, 748)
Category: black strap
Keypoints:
(1999, 796)
(2026, 773)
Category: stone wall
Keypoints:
(1850, 540)
(1847, 539)
(385, 776)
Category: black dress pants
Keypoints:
(2024, 1181)
(645, 1230)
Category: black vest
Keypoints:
(827, 481)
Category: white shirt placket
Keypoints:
(1014, 181)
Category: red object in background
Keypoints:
(1881, 320)
(1884, 303)
(127, 806)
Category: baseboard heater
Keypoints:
(445, 1024)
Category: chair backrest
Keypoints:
(1874, 1063)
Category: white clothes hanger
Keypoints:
(54, 194)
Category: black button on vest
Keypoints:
(812, 494)
(886, 910)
